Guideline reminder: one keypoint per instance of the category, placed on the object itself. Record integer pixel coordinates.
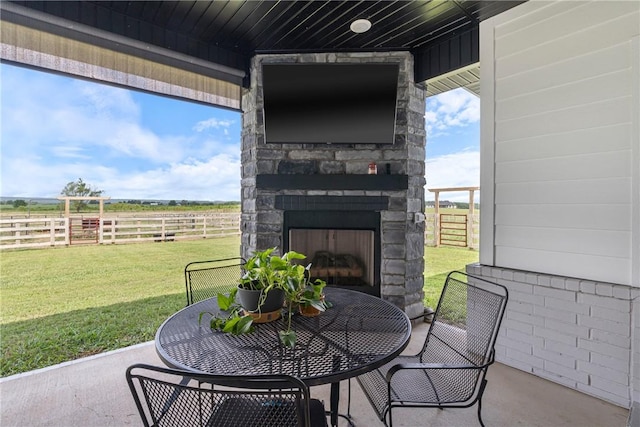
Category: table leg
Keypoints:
(334, 398)
(334, 401)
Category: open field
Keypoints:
(63, 303)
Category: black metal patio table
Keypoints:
(357, 334)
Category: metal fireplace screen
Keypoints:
(339, 257)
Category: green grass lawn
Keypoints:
(438, 263)
(59, 304)
(63, 303)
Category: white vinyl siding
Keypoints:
(559, 113)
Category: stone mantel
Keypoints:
(332, 182)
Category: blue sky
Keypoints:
(133, 145)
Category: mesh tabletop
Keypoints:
(357, 334)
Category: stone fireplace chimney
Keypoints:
(284, 184)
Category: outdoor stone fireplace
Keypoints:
(319, 199)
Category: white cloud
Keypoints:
(50, 107)
(132, 140)
(217, 178)
(212, 123)
(453, 170)
(69, 152)
(74, 118)
(30, 177)
(456, 108)
(108, 100)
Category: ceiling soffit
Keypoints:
(442, 34)
(467, 78)
(128, 65)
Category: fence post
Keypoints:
(52, 232)
(470, 230)
(436, 228)
(429, 229)
(67, 231)
(17, 232)
(476, 230)
(204, 226)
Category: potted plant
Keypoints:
(257, 298)
(300, 294)
(259, 291)
(270, 282)
(312, 301)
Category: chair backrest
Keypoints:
(205, 279)
(466, 322)
(168, 397)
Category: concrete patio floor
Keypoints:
(93, 392)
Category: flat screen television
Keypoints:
(330, 103)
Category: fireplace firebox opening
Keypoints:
(343, 246)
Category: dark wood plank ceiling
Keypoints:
(230, 32)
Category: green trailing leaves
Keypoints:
(231, 320)
(238, 325)
(288, 338)
(226, 302)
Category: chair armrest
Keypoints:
(401, 366)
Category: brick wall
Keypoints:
(578, 333)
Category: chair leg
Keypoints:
(349, 398)
(480, 392)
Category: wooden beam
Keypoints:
(433, 190)
(67, 200)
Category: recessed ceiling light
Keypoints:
(360, 26)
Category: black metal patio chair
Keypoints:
(450, 370)
(205, 279)
(164, 399)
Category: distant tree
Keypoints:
(19, 203)
(172, 203)
(79, 188)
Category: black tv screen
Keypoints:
(330, 103)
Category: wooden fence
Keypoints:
(433, 232)
(44, 232)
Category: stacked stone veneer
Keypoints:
(402, 238)
(578, 333)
